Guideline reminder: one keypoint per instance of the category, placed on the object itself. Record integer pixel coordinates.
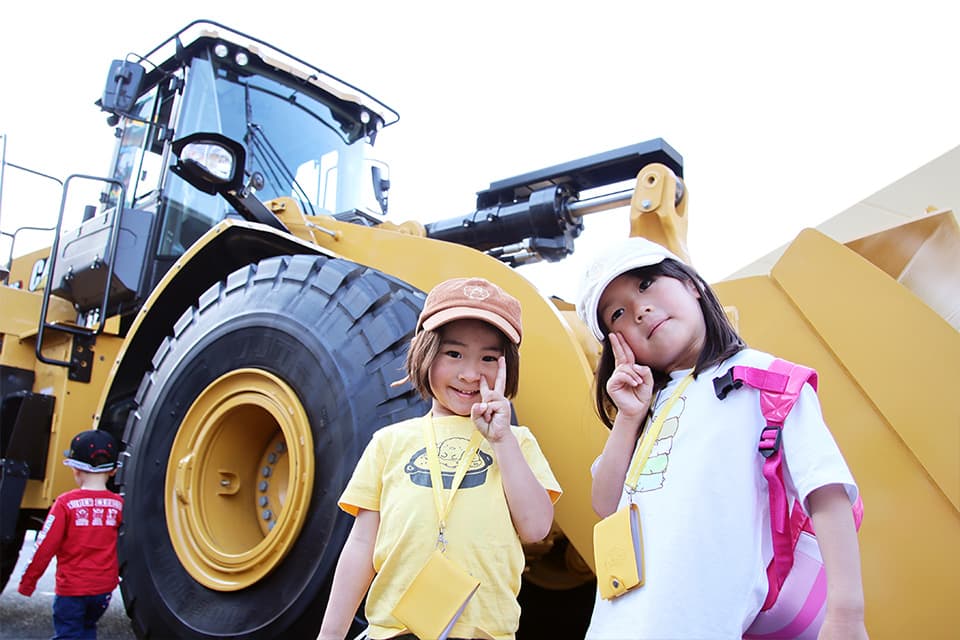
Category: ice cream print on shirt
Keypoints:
(450, 451)
(655, 470)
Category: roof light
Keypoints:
(221, 50)
(241, 58)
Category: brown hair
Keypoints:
(425, 346)
(720, 342)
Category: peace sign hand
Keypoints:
(631, 384)
(492, 414)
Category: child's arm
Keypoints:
(530, 507)
(611, 469)
(631, 388)
(50, 538)
(837, 538)
(353, 576)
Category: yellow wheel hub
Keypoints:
(239, 479)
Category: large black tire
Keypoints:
(326, 337)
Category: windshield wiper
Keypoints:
(261, 151)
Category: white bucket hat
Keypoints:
(629, 254)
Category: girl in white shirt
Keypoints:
(701, 496)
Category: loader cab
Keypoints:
(307, 135)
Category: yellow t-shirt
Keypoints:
(393, 478)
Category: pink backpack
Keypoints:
(797, 593)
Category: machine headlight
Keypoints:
(213, 158)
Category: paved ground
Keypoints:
(23, 618)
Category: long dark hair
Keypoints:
(720, 342)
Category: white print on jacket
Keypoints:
(46, 528)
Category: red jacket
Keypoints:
(81, 530)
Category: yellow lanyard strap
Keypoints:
(650, 436)
(436, 480)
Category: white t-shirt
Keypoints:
(704, 510)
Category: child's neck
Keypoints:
(94, 482)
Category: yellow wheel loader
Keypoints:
(237, 306)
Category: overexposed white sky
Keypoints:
(785, 113)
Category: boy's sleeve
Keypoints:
(48, 543)
(538, 462)
(366, 484)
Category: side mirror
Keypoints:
(123, 87)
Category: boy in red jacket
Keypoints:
(81, 530)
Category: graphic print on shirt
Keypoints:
(655, 470)
(450, 451)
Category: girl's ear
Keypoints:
(692, 288)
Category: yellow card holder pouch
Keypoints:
(440, 592)
(618, 538)
(435, 599)
(618, 552)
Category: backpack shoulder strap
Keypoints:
(779, 385)
(781, 401)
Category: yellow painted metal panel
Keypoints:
(899, 351)
(28, 269)
(21, 311)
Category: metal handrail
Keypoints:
(112, 251)
(8, 262)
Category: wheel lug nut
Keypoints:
(267, 514)
(264, 500)
(272, 458)
(266, 472)
(263, 485)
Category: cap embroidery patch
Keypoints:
(476, 293)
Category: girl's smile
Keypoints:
(654, 329)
